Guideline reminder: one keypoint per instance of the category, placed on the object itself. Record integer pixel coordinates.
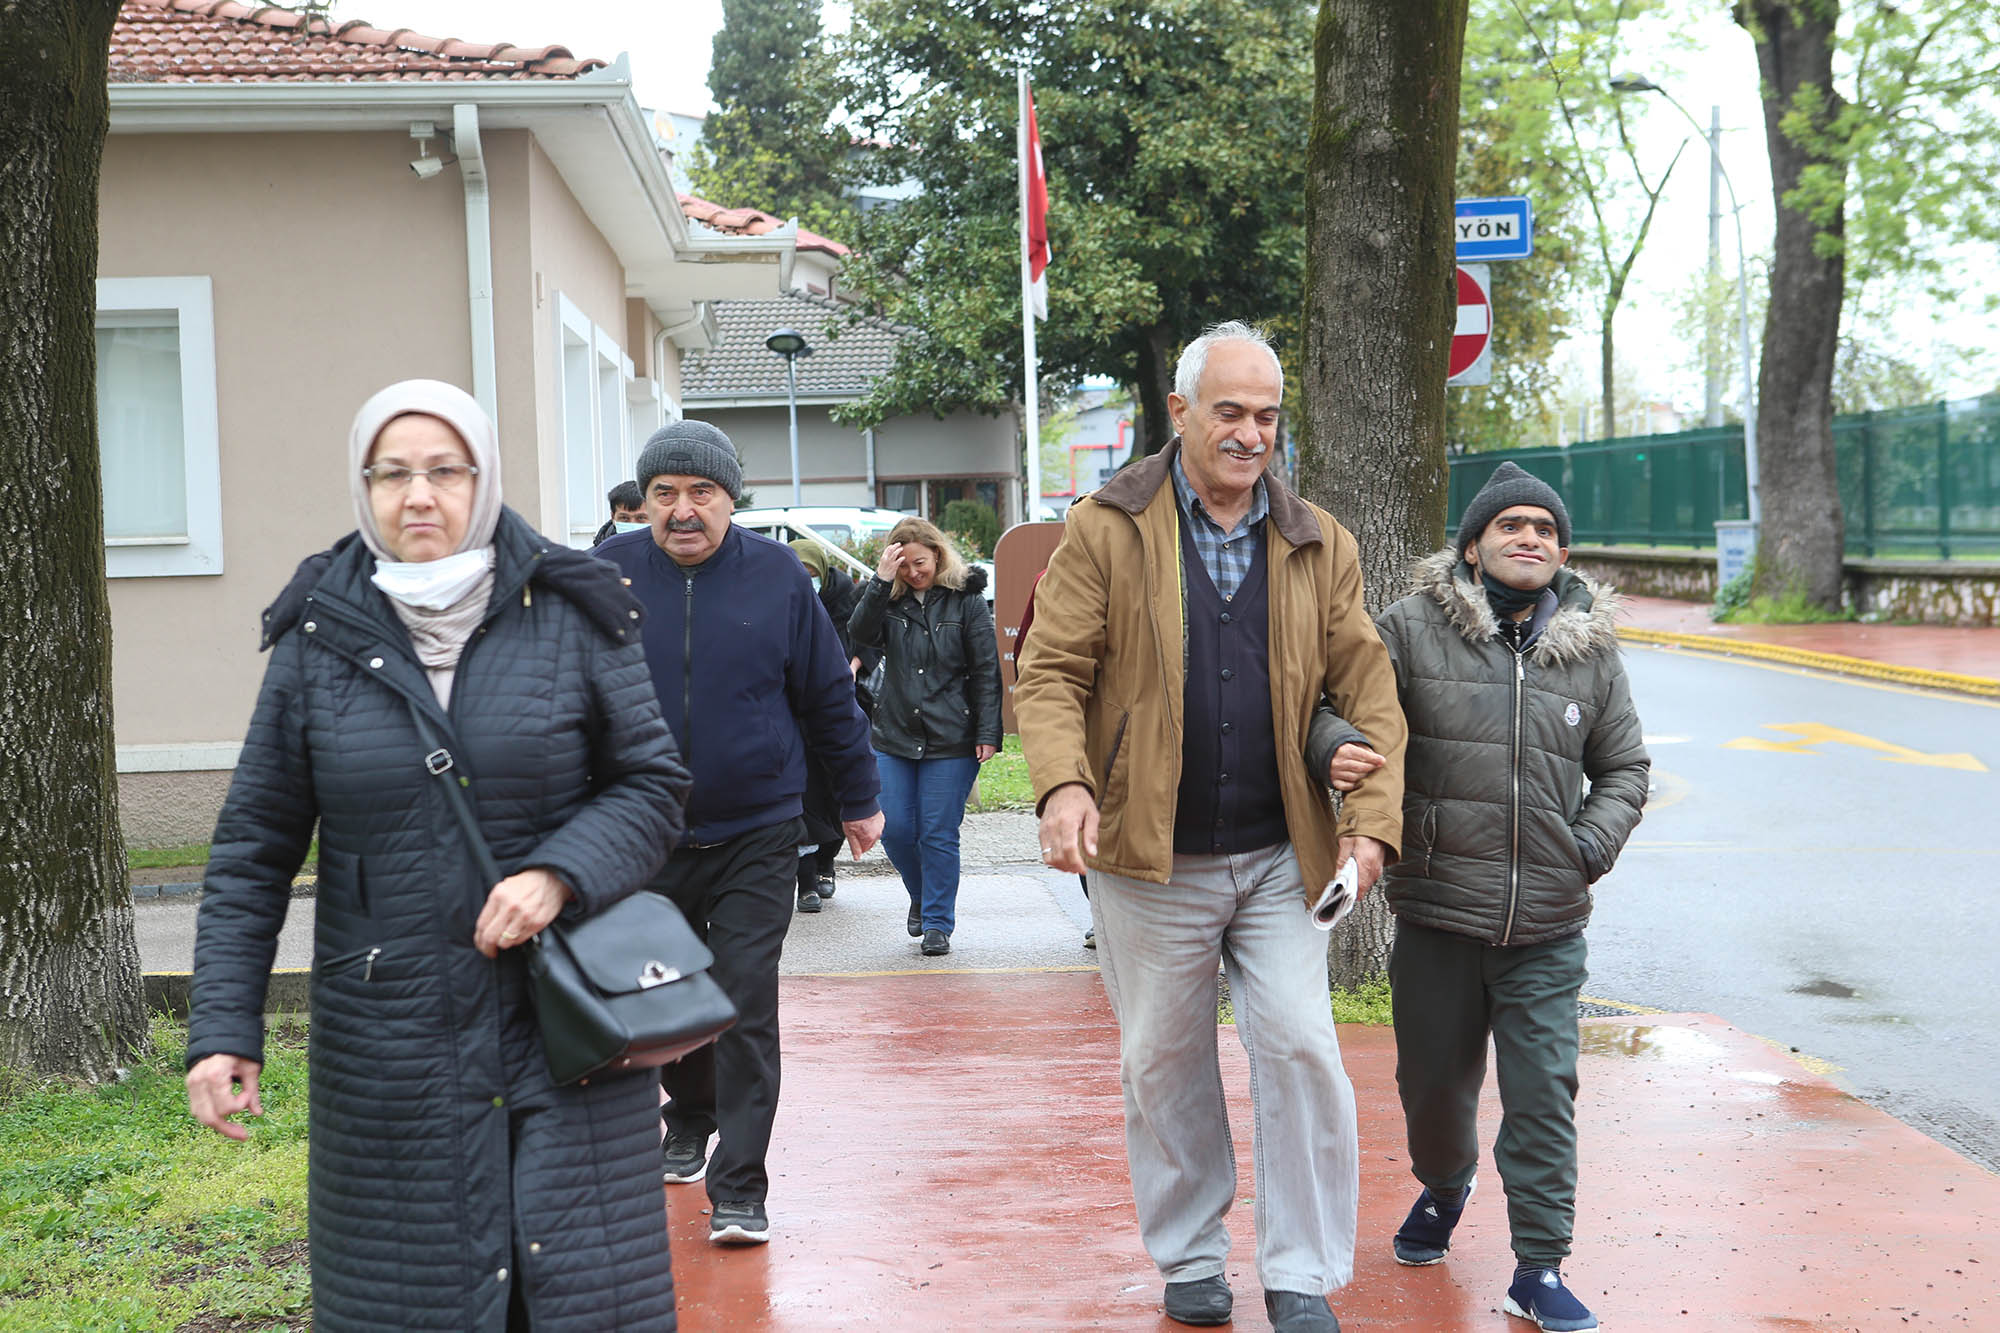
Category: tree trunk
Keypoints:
(1608, 376)
(1801, 541)
(70, 1000)
(1156, 379)
(1380, 308)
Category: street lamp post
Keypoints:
(1636, 83)
(791, 345)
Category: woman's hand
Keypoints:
(892, 562)
(984, 752)
(518, 907)
(213, 1092)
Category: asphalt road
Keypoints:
(1818, 866)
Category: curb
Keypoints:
(290, 991)
(305, 886)
(1919, 677)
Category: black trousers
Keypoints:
(739, 896)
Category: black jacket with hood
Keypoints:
(940, 692)
(445, 1169)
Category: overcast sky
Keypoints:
(1715, 64)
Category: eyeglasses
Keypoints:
(444, 477)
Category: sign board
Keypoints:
(1735, 545)
(1019, 558)
(1472, 337)
(1494, 228)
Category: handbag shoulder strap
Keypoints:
(439, 764)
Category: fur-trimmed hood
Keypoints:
(1581, 626)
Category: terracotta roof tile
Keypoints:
(223, 41)
(847, 358)
(751, 222)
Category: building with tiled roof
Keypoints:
(294, 213)
(222, 41)
(918, 463)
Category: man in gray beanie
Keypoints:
(1508, 670)
(751, 676)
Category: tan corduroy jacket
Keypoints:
(1100, 693)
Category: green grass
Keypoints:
(190, 854)
(1793, 608)
(1003, 781)
(118, 1211)
(1367, 1004)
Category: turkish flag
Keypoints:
(1038, 216)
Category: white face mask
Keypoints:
(815, 581)
(630, 527)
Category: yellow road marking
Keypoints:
(1678, 648)
(1815, 733)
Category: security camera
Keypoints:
(426, 167)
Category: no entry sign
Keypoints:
(1472, 336)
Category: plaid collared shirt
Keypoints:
(1225, 555)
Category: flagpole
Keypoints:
(1031, 396)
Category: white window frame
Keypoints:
(198, 551)
(600, 425)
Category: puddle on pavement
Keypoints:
(1674, 1044)
(1833, 990)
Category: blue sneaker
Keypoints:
(1425, 1236)
(1540, 1295)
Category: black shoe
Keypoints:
(1203, 1303)
(683, 1160)
(1297, 1312)
(1425, 1236)
(809, 902)
(824, 886)
(739, 1224)
(936, 942)
(916, 922)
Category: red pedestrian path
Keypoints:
(1963, 652)
(950, 1156)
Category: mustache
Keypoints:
(684, 525)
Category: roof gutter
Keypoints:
(478, 255)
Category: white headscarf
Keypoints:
(442, 601)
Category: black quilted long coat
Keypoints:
(446, 1170)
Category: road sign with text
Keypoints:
(1494, 229)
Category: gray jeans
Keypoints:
(1158, 946)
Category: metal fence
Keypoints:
(1915, 482)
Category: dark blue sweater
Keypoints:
(750, 673)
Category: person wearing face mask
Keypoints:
(1527, 771)
(938, 717)
(446, 1167)
(817, 860)
(628, 512)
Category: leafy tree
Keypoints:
(1379, 307)
(768, 145)
(70, 1000)
(1876, 179)
(1170, 131)
(975, 525)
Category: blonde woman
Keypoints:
(937, 715)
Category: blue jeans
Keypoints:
(923, 803)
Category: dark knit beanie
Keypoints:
(691, 449)
(1509, 485)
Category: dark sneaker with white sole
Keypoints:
(1539, 1295)
(1425, 1236)
(683, 1160)
(739, 1224)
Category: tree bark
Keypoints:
(1801, 541)
(70, 999)
(1380, 308)
(1156, 380)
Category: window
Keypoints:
(597, 452)
(157, 430)
(901, 495)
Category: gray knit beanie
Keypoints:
(1509, 485)
(691, 449)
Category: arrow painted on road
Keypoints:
(1813, 733)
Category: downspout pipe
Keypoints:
(478, 255)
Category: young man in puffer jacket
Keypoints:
(1508, 668)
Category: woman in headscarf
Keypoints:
(937, 718)
(452, 1185)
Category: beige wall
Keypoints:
(906, 449)
(335, 271)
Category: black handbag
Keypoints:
(627, 988)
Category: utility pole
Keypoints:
(1711, 348)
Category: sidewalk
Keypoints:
(1926, 656)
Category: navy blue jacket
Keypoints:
(750, 673)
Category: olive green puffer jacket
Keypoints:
(1501, 841)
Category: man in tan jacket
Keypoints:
(1192, 618)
